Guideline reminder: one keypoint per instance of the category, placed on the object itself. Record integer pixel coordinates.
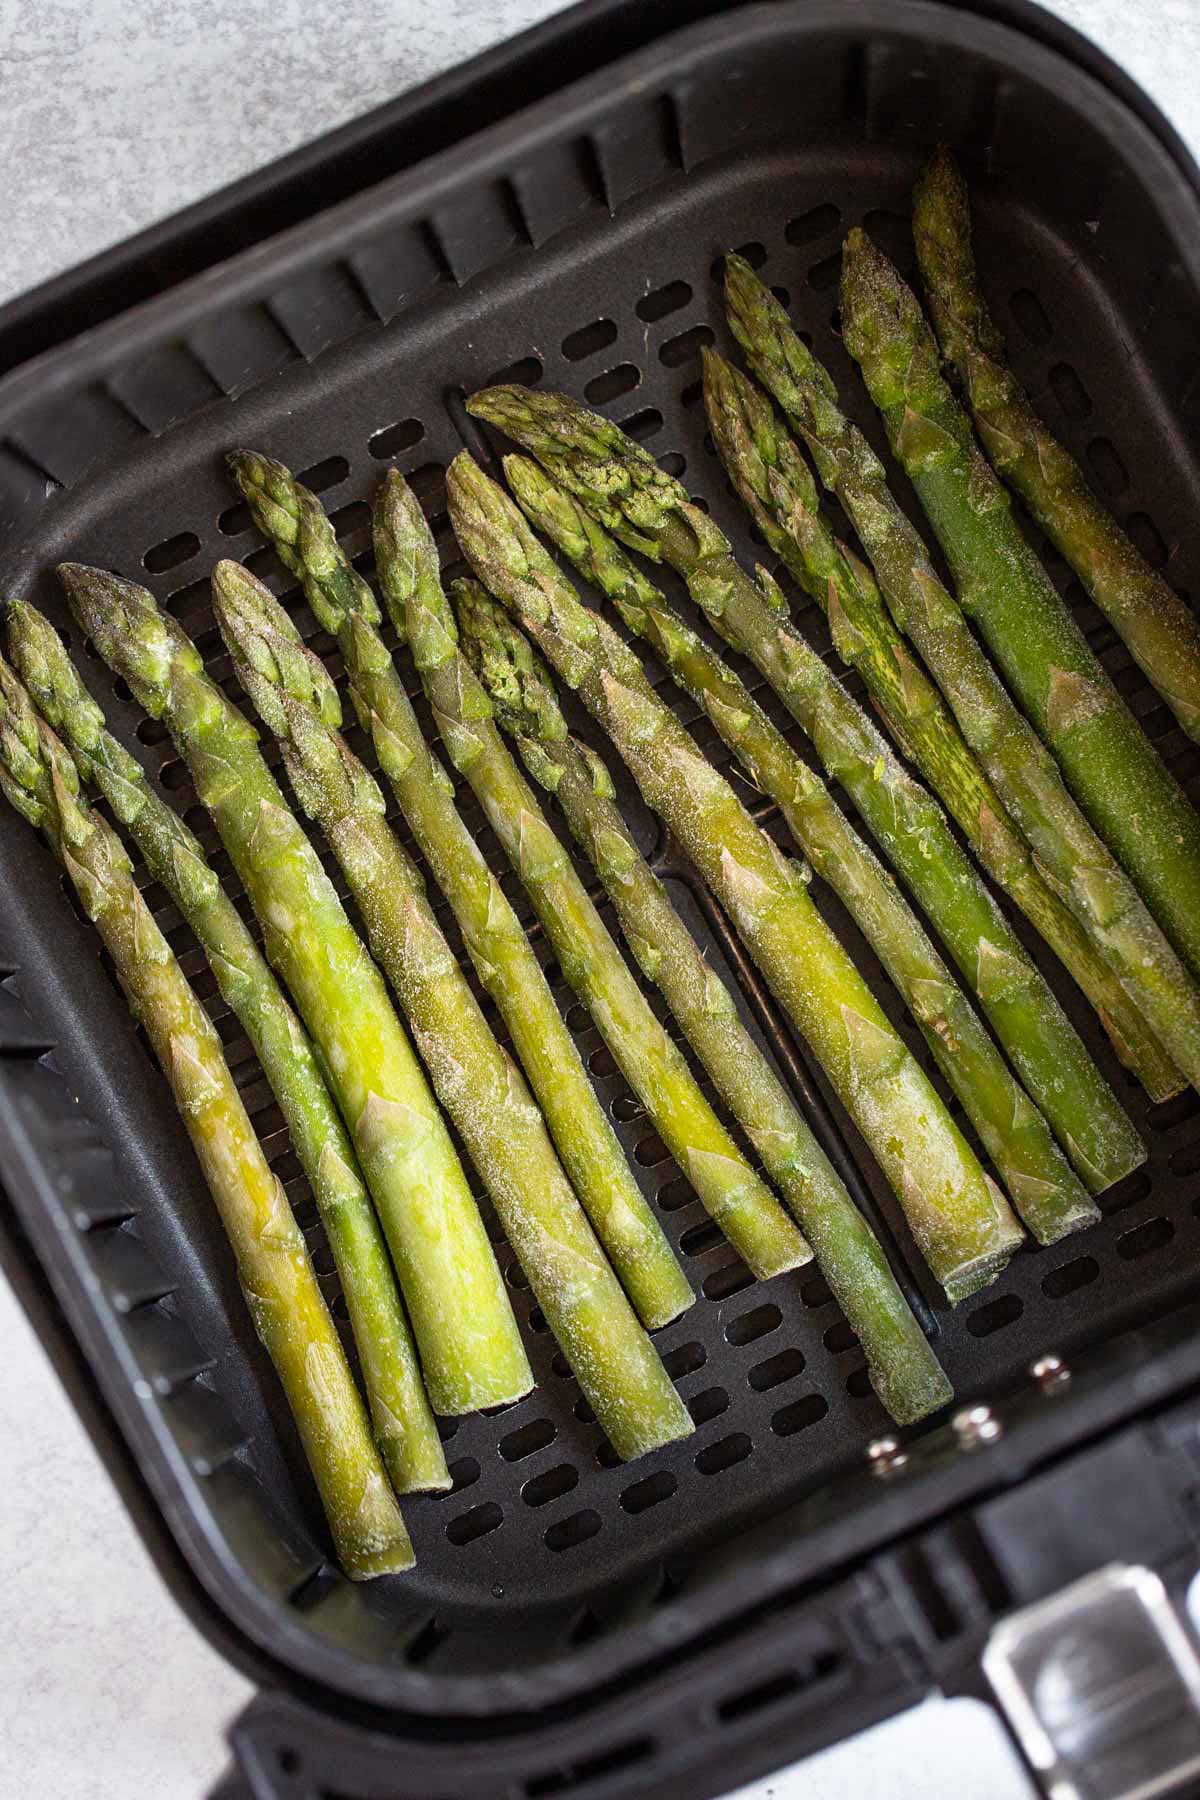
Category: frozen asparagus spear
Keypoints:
(1042, 1045)
(774, 480)
(1117, 776)
(959, 1218)
(471, 1351)
(903, 1368)
(481, 1089)
(1034, 1171)
(277, 1279)
(1161, 630)
(404, 1426)
(503, 957)
(1070, 855)
(741, 1203)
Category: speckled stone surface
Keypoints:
(112, 114)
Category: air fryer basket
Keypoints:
(576, 245)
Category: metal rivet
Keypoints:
(1050, 1372)
(975, 1426)
(886, 1457)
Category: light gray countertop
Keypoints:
(114, 113)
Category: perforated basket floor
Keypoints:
(581, 253)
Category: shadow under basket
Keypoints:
(575, 1625)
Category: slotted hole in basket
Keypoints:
(1031, 318)
(550, 1484)
(650, 1491)
(748, 1327)
(328, 473)
(234, 520)
(799, 1415)
(708, 1405)
(627, 1108)
(675, 1193)
(826, 274)
(994, 1315)
(644, 424)
(684, 1359)
(1151, 1234)
(1067, 387)
(650, 1151)
(1107, 466)
(692, 395)
(1078, 1273)
(728, 1280)
(589, 339)
(475, 1524)
(724, 1454)
(464, 1474)
(602, 1063)
(395, 439)
(171, 552)
(588, 1769)
(807, 227)
(686, 346)
(699, 1238)
(662, 300)
(612, 383)
(773, 1371)
(352, 517)
(568, 1534)
(840, 1337)
(525, 372)
(526, 1440)
(815, 1291)
(1148, 539)
(673, 463)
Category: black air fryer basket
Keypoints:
(555, 214)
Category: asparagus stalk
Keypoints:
(1161, 630)
(903, 1368)
(470, 1348)
(1071, 856)
(277, 1279)
(1035, 1172)
(615, 1362)
(773, 479)
(501, 953)
(959, 1219)
(651, 1063)
(1114, 771)
(400, 1413)
(1056, 1069)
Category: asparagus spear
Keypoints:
(1015, 1134)
(1161, 630)
(773, 479)
(615, 1362)
(1117, 776)
(1056, 1069)
(470, 1348)
(277, 1279)
(400, 1412)
(903, 1368)
(502, 955)
(960, 1220)
(1071, 856)
(655, 1069)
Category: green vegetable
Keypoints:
(481, 1089)
(471, 1352)
(959, 1219)
(773, 479)
(1042, 1046)
(277, 1279)
(1014, 1133)
(728, 1187)
(1070, 855)
(400, 1413)
(1113, 769)
(903, 1368)
(1161, 630)
(502, 955)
